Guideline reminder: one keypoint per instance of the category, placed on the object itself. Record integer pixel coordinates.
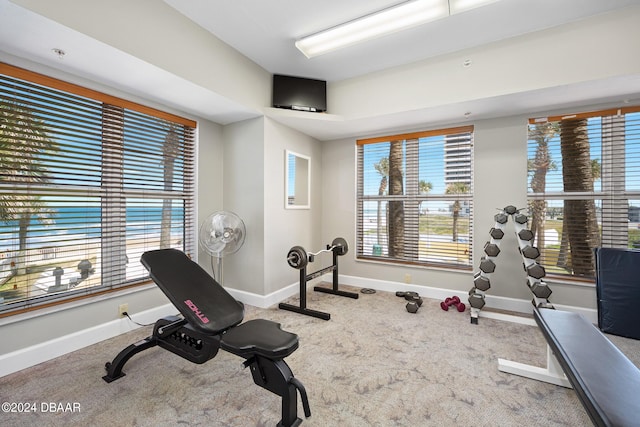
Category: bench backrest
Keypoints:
(618, 291)
(203, 302)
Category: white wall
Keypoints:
(589, 50)
(526, 64)
(285, 228)
(210, 178)
(243, 183)
(254, 169)
(500, 179)
(158, 34)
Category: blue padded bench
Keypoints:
(618, 291)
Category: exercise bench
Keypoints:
(604, 379)
(211, 319)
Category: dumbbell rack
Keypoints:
(535, 272)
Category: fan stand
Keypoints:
(221, 234)
(217, 271)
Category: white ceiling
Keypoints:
(98, 62)
(265, 32)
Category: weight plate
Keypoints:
(297, 257)
(342, 245)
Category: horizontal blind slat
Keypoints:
(97, 181)
(608, 180)
(429, 203)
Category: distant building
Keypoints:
(457, 159)
(457, 163)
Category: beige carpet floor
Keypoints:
(372, 364)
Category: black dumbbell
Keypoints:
(413, 306)
(408, 295)
(415, 302)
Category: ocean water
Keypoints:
(73, 225)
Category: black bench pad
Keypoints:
(606, 382)
(259, 336)
(203, 302)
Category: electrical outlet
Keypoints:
(407, 278)
(123, 308)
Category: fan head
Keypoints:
(222, 233)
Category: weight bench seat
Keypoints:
(605, 380)
(261, 337)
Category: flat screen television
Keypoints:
(297, 93)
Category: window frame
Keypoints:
(185, 195)
(611, 192)
(413, 197)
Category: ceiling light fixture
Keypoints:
(401, 17)
(457, 6)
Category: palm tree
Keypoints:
(596, 170)
(170, 151)
(456, 188)
(23, 140)
(424, 187)
(580, 220)
(382, 167)
(541, 133)
(395, 222)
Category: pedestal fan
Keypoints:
(221, 234)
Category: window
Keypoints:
(88, 182)
(414, 198)
(584, 187)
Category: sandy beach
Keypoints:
(59, 269)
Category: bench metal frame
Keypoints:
(606, 382)
(552, 373)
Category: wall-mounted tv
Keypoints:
(299, 93)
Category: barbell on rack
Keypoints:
(298, 258)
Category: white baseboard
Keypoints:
(33, 355)
(264, 301)
(30, 356)
(496, 302)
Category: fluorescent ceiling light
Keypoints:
(401, 17)
(457, 6)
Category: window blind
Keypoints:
(414, 198)
(85, 188)
(584, 187)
